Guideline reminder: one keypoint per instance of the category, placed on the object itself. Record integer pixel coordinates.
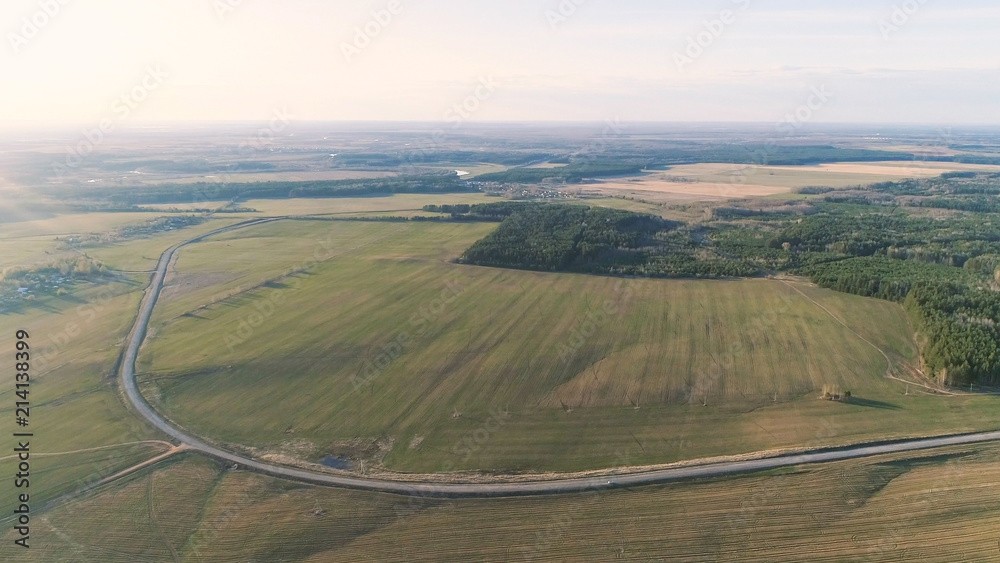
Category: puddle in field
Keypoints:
(335, 462)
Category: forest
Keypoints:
(576, 238)
(202, 191)
(570, 174)
(942, 264)
(581, 166)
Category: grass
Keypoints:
(240, 262)
(32, 241)
(628, 204)
(917, 507)
(141, 255)
(547, 165)
(474, 169)
(26, 251)
(250, 177)
(398, 205)
(928, 507)
(70, 224)
(75, 343)
(686, 369)
(54, 476)
(713, 181)
(837, 175)
(73, 394)
(349, 205)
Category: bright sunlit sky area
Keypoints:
(547, 60)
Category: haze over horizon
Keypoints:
(884, 61)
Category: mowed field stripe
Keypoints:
(512, 364)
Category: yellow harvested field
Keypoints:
(474, 169)
(894, 168)
(916, 168)
(939, 506)
(688, 190)
(301, 176)
(548, 165)
(925, 150)
(723, 181)
(394, 205)
(43, 224)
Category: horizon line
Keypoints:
(472, 124)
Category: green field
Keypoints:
(834, 175)
(371, 355)
(75, 405)
(672, 370)
(395, 205)
(84, 432)
(934, 507)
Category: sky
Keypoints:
(837, 61)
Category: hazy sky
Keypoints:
(546, 59)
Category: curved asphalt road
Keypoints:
(455, 490)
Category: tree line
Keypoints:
(201, 191)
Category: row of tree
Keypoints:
(960, 327)
(575, 238)
(197, 192)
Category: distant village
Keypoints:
(22, 284)
(58, 278)
(151, 227)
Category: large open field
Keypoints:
(75, 344)
(661, 186)
(835, 175)
(83, 430)
(727, 181)
(395, 205)
(495, 377)
(384, 351)
(319, 281)
(284, 176)
(935, 507)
